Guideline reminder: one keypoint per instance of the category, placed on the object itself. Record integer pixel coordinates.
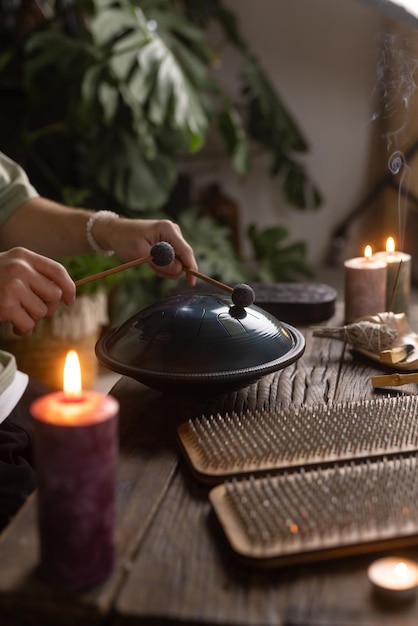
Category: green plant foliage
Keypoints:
(267, 121)
(137, 288)
(135, 93)
(215, 255)
(86, 265)
(136, 86)
(52, 79)
(212, 246)
(130, 89)
(233, 131)
(271, 125)
(276, 261)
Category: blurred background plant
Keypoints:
(114, 97)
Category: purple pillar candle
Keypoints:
(76, 453)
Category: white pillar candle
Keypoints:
(398, 286)
(365, 286)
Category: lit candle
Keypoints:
(398, 277)
(394, 578)
(365, 286)
(76, 452)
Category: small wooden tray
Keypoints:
(321, 513)
(405, 337)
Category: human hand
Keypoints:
(133, 239)
(31, 287)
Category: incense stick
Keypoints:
(395, 284)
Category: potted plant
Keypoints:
(135, 86)
(114, 92)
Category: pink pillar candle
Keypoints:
(365, 287)
(76, 452)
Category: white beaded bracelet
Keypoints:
(89, 227)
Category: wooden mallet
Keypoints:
(242, 295)
(161, 254)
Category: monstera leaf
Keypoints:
(137, 96)
(276, 260)
(212, 246)
(135, 88)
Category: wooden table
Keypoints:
(174, 563)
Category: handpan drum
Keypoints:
(199, 344)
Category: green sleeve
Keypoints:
(15, 188)
(7, 370)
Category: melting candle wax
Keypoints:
(76, 452)
(365, 286)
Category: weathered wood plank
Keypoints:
(186, 572)
(173, 561)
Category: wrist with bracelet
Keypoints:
(93, 219)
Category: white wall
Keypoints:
(321, 55)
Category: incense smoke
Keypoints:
(396, 85)
(397, 165)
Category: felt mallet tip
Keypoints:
(243, 295)
(162, 253)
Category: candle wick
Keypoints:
(395, 284)
(72, 397)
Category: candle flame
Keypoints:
(368, 251)
(401, 570)
(72, 375)
(390, 244)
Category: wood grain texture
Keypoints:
(188, 574)
(174, 564)
(143, 479)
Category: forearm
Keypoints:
(57, 231)
(47, 228)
